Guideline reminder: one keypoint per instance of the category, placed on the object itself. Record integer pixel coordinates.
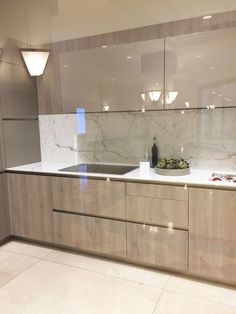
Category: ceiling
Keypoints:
(38, 22)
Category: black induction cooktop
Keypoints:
(100, 168)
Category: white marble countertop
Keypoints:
(195, 178)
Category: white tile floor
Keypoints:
(38, 280)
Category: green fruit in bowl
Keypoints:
(171, 164)
(162, 163)
(182, 164)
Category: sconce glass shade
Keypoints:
(154, 95)
(143, 96)
(35, 61)
(171, 96)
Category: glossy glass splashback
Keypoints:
(201, 67)
(199, 71)
(115, 78)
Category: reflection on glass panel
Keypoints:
(201, 68)
(81, 121)
(113, 78)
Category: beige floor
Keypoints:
(38, 280)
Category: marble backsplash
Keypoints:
(207, 139)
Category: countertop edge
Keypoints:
(208, 185)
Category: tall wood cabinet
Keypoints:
(212, 242)
(30, 202)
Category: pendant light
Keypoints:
(35, 60)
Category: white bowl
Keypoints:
(172, 172)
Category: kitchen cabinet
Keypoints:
(88, 196)
(179, 193)
(22, 142)
(199, 72)
(200, 69)
(118, 76)
(4, 214)
(49, 86)
(2, 156)
(157, 211)
(30, 203)
(114, 76)
(92, 234)
(18, 92)
(157, 246)
(212, 241)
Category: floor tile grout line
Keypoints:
(200, 298)
(167, 281)
(4, 273)
(17, 275)
(10, 280)
(102, 274)
(155, 310)
(25, 254)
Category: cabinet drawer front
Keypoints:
(158, 191)
(92, 234)
(168, 213)
(157, 246)
(94, 197)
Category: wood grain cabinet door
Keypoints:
(88, 196)
(4, 217)
(178, 193)
(30, 201)
(212, 226)
(157, 211)
(92, 234)
(157, 246)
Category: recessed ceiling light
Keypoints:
(66, 66)
(211, 68)
(113, 78)
(182, 112)
(106, 107)
(219, 95)
(104, 46)
(187, 104)
(207, 17)
(199, 56)
(129, 57)
(213, 93)
(180, 65)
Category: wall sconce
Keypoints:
(154, 95)
(143, 96)
(35, 61)
(171, 96)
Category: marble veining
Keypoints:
(207, 139)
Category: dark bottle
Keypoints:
(154, 153)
